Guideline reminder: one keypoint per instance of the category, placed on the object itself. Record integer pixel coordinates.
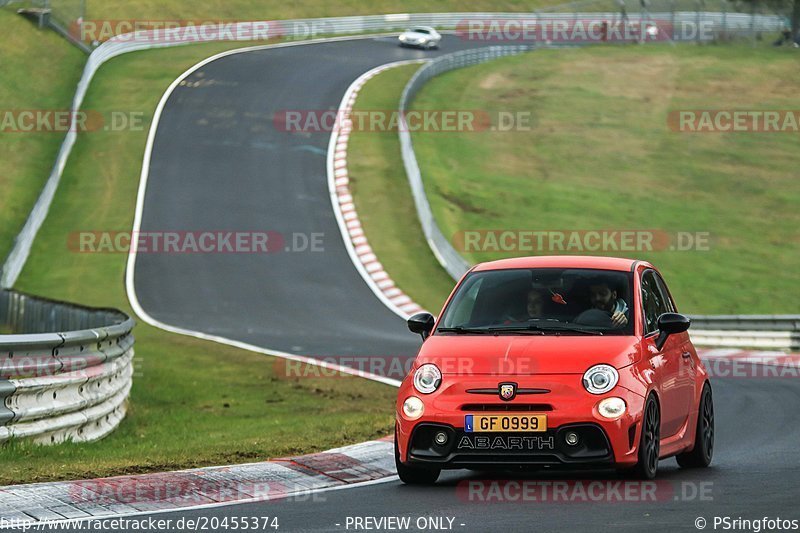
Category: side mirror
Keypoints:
(421, 323)
(669, 324)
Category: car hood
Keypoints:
(526, 354)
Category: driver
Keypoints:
(535, 302)
(604, 298)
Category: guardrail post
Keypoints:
(724, 9)
(698, 8)
(672, 20)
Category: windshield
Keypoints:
(565, 301)
(420, 30)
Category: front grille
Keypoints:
(462, 448)
(472, 407)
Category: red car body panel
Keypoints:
(674, 374)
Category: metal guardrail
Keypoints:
(734, 331)
(733, 338)
(788, 323)
(69, 385)
(448, 257)
(772, 332)
(302, 28)
(106, 408)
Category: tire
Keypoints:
(649, 441)
(700, 456)
(411, 475)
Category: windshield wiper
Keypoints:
(530, 329)
(461, 330)
(566, 328)
(541, 328)
(488, 330)
(527, 330)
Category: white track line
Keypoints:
(137, 221)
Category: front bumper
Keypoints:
(481, 450)
(419, 44)
(602, 442)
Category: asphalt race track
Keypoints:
(218, 164)
(754, 475)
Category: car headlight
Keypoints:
(403, 38)
(600, 379)
(413, 408)
(427, 378)
(611, 407)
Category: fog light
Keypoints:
(611, 407)
(413, 408)
(441, 438)
(571, 438)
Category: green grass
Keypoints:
(245, 410)
(600, 156)
(38, 70)
(193, 402)
(196, 403)
(273, 9)
(383, 201)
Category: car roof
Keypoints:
(561, 261)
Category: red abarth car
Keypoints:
(560, 361)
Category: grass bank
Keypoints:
(599, 155)
(39, 72)
(273, 9)
(193, 402)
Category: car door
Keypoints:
(678, 351)
(665, 361)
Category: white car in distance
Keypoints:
(420, 37)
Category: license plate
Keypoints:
(503, 423)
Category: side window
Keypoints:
(462, 309)
(669, 305)
(651, 302)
